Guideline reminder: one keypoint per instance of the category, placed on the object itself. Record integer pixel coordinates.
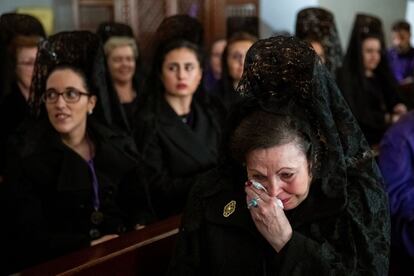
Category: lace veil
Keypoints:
(283, 75)
(319, 23)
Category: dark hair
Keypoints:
(365, 26)
(262, 130)
(88, 85)
(177, 44)
(236, 37)
(401, 26)
(160, 57)
(151, 98)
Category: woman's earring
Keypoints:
(90, 111)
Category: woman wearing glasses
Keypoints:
(75, 186)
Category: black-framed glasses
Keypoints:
(70, 95)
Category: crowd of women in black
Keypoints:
(95, 142)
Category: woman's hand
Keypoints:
(104, 239)
(269, 217)
(139, 226)
(398, 110)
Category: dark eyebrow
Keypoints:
(256, 171)
(66, 88)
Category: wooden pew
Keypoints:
(141, 252)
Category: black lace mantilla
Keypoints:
(107, 30)
(281, 74)
(12, 24)
(319, 23)
(80, 49)
(179, 26)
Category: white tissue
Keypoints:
(259, 186)
(279, 203)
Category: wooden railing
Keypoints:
(141, 252)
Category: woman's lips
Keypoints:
(61, 116)
(284, 201)
(181, 86)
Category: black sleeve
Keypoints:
(31, 237)
(357, 244)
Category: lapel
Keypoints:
(183, 137)
(111, 156)
(206, 129)
(240, 216)
(73, 172)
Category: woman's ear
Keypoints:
(92, 103)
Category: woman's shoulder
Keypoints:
(114, 138)
(212, 105)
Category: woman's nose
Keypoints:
(181, 74)
(60, 102)
(274, 189)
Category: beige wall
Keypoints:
(345, 11)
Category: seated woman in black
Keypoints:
(76, 186)
(366, 80)
(232, 67)
(313, 203)
(177, 132)
(19, 35)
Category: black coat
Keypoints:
(369, 101)
(49, 196)
(225, 92)
(345, 236)
(13, 110)
(178, 152)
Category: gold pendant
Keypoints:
(229, 208)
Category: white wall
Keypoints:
(10, 6)
(410, 18)
(63, 15)
(280, 15)
(345, 11)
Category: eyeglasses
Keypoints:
(70, 95)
